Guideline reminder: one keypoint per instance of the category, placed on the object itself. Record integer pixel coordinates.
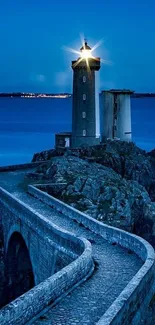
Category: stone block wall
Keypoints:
(20, 166)
(20, 217)
(130, 306)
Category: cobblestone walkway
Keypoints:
(115, 267)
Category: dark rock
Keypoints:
(127, 160)
(113, 182)
(35, 176)
(44, 155)
(102, 193)
(152, 153)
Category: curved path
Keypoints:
(115, 266)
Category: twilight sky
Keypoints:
(33, 33)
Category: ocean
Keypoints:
(28, 125)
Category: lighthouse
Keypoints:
(85, 115)
(92, 125)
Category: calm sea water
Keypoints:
(28, 125)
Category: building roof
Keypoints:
(85, 47)
(64, 133)
(118, 91)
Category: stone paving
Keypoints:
(115, 266)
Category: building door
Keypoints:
(67, 142)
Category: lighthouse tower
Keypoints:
(85, 116)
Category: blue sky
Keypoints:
(33, 33)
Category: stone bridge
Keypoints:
(63, 267)
(34, 249)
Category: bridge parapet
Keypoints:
(41, 225)
(56, 286)
(20, 166)
(131, 304)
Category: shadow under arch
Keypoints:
(19, 272)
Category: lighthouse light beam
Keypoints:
(85, 54)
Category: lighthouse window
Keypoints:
(84, 78)
(84, 96)
(84, 114)
(84, 133)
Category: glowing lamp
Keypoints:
(86, 51)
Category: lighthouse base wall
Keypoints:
(115, 112)
(124, 118)
(84, 141)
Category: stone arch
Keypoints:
(19, 271)
(14, 228)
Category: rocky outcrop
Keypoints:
(44, 155)
(152, 153)
(126, 159)
(131, 162)
(102, 193)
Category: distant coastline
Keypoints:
(35, 95)
(61, 95)
(141, 95)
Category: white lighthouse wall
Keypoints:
(101, 114)
(124, 117)
(107, 107)
(97, 106)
